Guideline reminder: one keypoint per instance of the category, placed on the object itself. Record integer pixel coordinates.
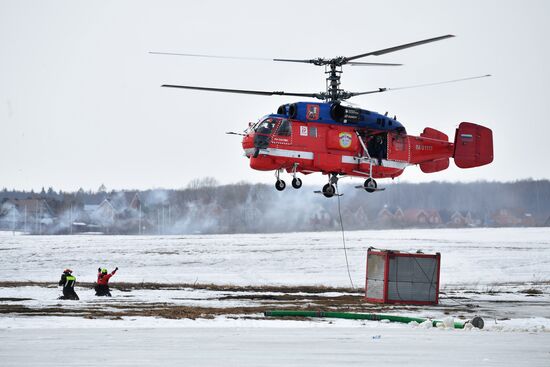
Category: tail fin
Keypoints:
(436, 165)
(473, 145)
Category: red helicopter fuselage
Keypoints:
(357, 147)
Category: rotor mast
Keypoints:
(334, 73)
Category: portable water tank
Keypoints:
(402, 277)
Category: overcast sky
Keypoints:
(81, 103)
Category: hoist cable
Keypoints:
(343, 236)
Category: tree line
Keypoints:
(205, 206)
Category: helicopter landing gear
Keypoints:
(370, 185)
(328, 190)
(296, 183)
(279, 184)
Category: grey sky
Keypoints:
(80, 102)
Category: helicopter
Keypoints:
(337, 139)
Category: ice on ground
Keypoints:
(490, 271)
(486, 267)
(330, 345)
(480, 257)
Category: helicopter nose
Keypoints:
(261, 141)
(248, 141)
(248, 145)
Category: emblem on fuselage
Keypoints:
(312, 112)
(345, 140)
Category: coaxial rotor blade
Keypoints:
(380, 90)
(325, 62)
(245, 91)
(210, 56)
(318, 61)
(354, 63)
(311, 61)
(400, 47)
(292, 60)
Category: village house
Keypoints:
(390, 217)
(28, 215)
(416, 217)
(512, 218)
(320, 219)
(421, 218)
(361, 218)
(122, 213)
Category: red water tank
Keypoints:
(402, 277)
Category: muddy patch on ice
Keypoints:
(207, 301)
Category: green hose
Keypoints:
(368, 316)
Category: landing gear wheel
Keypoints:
(296, 183)
(280, 185)
(370, 185)
(329, 190)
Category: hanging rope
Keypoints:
(343, 236)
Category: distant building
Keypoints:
(122, 213)
(390, 217)
(320, 219)
(415, 217)
(361, 218)
(513, 217)
(434, 219)
(456, 218)
(28, 215)
(421, 218)
(105, 213)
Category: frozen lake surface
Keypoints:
(268, 346)
(503, 274)
(468, 256)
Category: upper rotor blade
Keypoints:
(380, 90)
(211, 56)
(355, 63)
(244, 91)
(400, 47)
(321, 61)
(310, 61)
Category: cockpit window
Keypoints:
(284, 128)
(266, 126)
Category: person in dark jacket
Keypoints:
(102, 286)
(68, 281)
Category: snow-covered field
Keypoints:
(501, 274)
(469, 256)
